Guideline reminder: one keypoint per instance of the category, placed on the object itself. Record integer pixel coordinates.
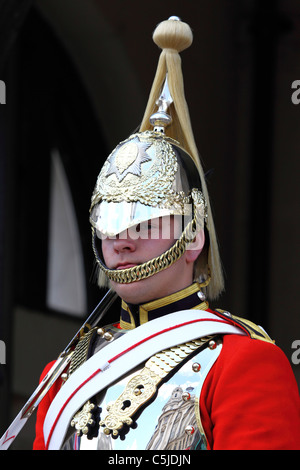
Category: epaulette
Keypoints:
(253, 330)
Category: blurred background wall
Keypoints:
(77, 76)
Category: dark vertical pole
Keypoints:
(267, 27)
(12, 16)
(265, 35)
(6, 248)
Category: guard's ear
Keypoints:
(194, 249)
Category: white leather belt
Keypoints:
(124, 354)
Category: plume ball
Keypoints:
(173, 35)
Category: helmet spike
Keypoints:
(160, 120)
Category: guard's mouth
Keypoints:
(125, 266)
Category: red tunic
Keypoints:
(249, 400)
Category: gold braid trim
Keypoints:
(81, 351)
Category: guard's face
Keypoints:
(140, 244)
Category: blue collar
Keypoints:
(135, 315)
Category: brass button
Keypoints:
(108, 336)
(196, 367)
(189, 430)
(201, 296)
(186, 396)
(64, 377)
(212, 344)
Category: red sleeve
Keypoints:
(39, 443)
(250, 398)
